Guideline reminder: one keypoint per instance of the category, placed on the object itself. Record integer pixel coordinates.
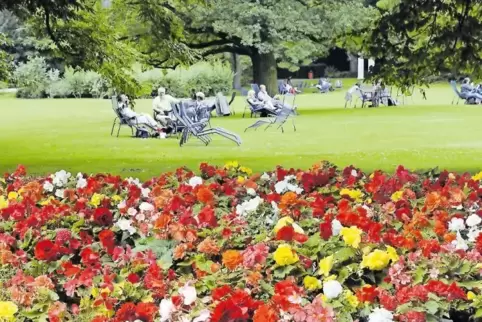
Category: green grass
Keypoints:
(48, 135)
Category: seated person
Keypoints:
(323, 85)
(162, 106)
(290, 88)
(256, 103)
(270, 102)
(469, 92)
(139, 119)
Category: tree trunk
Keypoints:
(264, 71)
(238, 71)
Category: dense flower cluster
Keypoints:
(228, 245)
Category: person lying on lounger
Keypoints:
(270, 102)
(253, 101)
(163, 108)
(140, 119)
(469, 91)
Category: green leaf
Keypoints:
(478, 313)
(470, 284)
(432, 307)
(344, 254)
(419, 274)
(282, 272)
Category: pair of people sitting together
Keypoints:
(264, 101)
(164, 119)
(469, 91)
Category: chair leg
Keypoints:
(118, 130)
(113, 125)
(294, 127)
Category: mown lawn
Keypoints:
(48, 135)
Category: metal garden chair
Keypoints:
(280, 118)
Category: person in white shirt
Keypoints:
(140, 119)
(270, 102)
(162, 106)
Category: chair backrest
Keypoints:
(117, 112)
(283, 115)
(453, 84)
(255, 88)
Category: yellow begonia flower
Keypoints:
(376, 260)
(477, 177)
(396, 196)
(3, 203)
(12, 195)
(241, 179)
(8, 309)
(46, 201)
(285, 221)
(96, 199)
(351, 236)
(285, 255)
(352, 299)
(356, 194)
(326, 264)
(248, 171)
(231, 164)
(471, 295)
(311, 283)
(116, 198)
(392, 253)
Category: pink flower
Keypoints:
(255, 255)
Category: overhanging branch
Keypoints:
(228, 49)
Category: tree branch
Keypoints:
(217, 42)
(228, 49)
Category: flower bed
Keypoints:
(226, 245)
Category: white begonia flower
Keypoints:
(166, 309)
(122, 205)
(456, 224)
(204, 315)
(295, 299)
(145, 206)
(251, 192)
(133, 181)
(280, 187)
(195, 181)
(61, 178)
(81, 183)
(354, 173)
(189, 294)
(59, 193)
(265, 177)
(79, 175)
(336, 227)
(473, 220)
(140, 217)
(126, 225)
(274, 205)
(48, 186)
(460, 243)
(380, 315)
(332, 289)
(131, 212)
(248, 206)
(145, 192)
(473, 234)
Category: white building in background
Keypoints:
(361, 66)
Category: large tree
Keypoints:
(414, 40)
(288, 32)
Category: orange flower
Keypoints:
(44, 281)
(162, 221)
(161, 197)
(253, 278)
(450, 237)
(178, 231)
(265, 313)
(439, 228)
(288, 199)
(215, 267)
(457, 196)
(179, 251)
(205, 195)
(432, 201)
(32, 190)
(208, 246)
(232, 259)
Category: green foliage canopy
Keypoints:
(416, 39)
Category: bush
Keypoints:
(32, 78)
(207, 77)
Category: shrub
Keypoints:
(208, 77)
(32, 78)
